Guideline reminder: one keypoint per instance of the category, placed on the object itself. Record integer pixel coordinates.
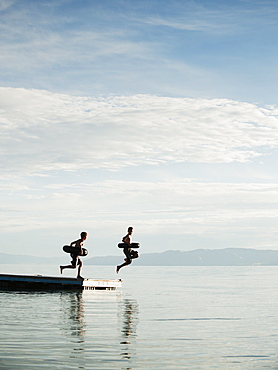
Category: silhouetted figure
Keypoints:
(129, 253)
(76, 261)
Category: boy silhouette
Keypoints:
(129, 253)
(76, 261)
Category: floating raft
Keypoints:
(39, 282)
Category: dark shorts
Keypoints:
(130, 253)
(75, 260)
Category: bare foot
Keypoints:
(117, 269)
(79, 277)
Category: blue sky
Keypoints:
(185, 48)
(153, 114)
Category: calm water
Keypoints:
(162, 318)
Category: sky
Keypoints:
(153, 114)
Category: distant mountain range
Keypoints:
(198, 257)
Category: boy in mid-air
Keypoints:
(129, 253)
(76, 261)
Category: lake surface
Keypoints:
(162, 318)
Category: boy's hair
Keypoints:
(130, 228)
(83, 234)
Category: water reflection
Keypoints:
(130, 313)
(74, 325)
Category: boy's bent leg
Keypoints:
(66, 267)
(126, 263)
(73, 263)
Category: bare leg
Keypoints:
(127, 262)
(66, 267)
(79, 270)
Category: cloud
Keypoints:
(100, 47)
(176, 207)
(218, 19)
(5, 4)
(188, 25)
(53, 39)
(43, 131)
(175, 213)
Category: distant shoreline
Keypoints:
(198, 257)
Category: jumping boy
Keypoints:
(76, 261)
(129, 253)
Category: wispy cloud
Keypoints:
(190, 25)
(177, 207)
(42, 131)
(222, 19)
(49, 140)
(180, 49)
(6, 4)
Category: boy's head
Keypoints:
(83, 235)
(130, 230)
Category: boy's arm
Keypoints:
(74, 242)
(127, 240)
(78, 245)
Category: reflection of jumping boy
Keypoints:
(130, 254)
(76, 261)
